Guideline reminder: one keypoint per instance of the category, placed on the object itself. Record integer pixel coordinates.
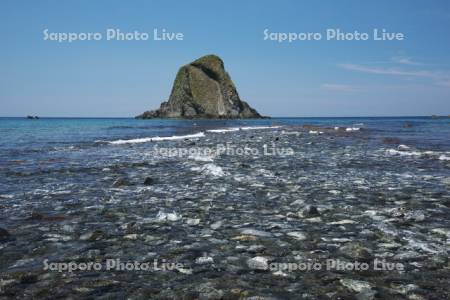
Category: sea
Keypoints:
(225, 209)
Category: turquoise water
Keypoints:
(22, 134)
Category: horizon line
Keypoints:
(270, 117)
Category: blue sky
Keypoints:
(302, 78)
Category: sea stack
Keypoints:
(203, 89)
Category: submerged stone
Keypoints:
(121, 182)
(149, 181)
(4, 235)
(356, 251)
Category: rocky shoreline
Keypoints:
(226, 226)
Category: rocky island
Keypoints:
(203, 89)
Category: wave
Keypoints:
(403, 150)
(158, 139)
(189, 136)
(223, 130)
(232, 129)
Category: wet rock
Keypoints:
(216, 225)
(193, 222)
(256, 232)
(415, 216)
(391, 141)
(172, 216)
(68, 228)
(37, 216)
(132, 236)
(300, 236)
(92, 235)
(397, 212)
(356, 251)
(258, 263)
(149, 181)
(256, 248)
(5, 283)
(366, 294)
(311, 211)
(437, 261)
(54, 237)
(4, 235)
(403, 148)
(342, 222)
(202, 260)
(208, 292)
(408, 256)
(442, 231)
(355, 285)
(122, 181)
(93, 253)
(403, 289)
(244, 238)
(363, 288)
(298, 202)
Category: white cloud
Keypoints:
(340, 87)
(438, 78)
(405, 61)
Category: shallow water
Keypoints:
(71, 192)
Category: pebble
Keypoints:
(204, 260)
(342, 222)
(193, 222)
(216, 225)
(297, 235)
(356, 251)
(258, 263)
(4, 235)
(255, 232)
(121, 182)
(256, 248)
(355, 285)
(92, 235)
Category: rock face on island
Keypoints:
(203, 89)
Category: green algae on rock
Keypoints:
(203, 89)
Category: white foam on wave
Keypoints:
(352, 129)
(188, 136)
(223, 130)
(172, 216)
(444, 157)
(315, 132)
(259, 127)
(233, 129)
(158, 139)
(210, 169)
(404, 150)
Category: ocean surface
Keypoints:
(229, 200)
